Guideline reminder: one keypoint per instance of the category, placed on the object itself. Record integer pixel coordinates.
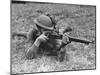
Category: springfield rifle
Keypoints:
(55, 35)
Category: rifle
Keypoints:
(56, 35)
(73, 39)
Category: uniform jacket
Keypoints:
(50, 45)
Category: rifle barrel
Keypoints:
(79, 40)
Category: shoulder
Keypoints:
(33, 30)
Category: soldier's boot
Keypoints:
(61, 55)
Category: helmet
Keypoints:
(44, 22)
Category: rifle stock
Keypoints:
(14, 34)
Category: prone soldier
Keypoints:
(45, 37)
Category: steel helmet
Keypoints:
(44, 22)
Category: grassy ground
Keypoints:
(78, 56)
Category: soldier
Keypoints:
(47, 38)
(40, 39)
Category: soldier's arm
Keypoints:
(32, 51)
(31, 36)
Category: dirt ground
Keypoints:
(78, 56)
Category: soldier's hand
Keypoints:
(32, 52)
(65, 39)
(40, 39)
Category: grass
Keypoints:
(78, 56)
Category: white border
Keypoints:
(5, 37)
